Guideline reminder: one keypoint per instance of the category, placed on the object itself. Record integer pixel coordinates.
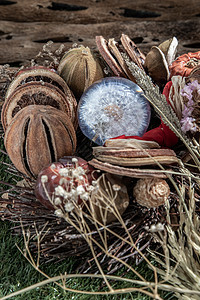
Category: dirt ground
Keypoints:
(26, 25)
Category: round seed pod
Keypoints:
(109, 200)
(35, 93)
(151, 192)
(37, 136)
(80, 68)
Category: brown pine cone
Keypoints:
(151, 192)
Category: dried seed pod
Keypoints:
(133, 51)
(169, 48)
(35, 93)
(156, 65)
(37, 136)
(124, 171)
(80, 68)
(110, 200)
(151, 192)
(42, 75)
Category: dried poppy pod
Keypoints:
(80, 68)
(35, 93)
(37, 136)
(109, 201)
(184, 64)
(151, 192)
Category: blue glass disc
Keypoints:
(112, 107)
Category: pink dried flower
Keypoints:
(187, 121)
(187, 124)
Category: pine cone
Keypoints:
(151, 192)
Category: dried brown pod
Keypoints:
(133, 51)
(138, 161)
(131, 143)
(131, 153)
(43, 75)
(114, 54)
(79, 67)
(35, 93)
(157, 66)
(37, 136)
(124, 171)
(109, 201)
(104, 50)
(151, 192)
(169, 48)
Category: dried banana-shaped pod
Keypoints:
(133, 51)
(104, 208)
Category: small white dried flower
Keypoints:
(160, 227)
(57, 201)
(90, 188)
(63, 180)
(85, 196)
(75, 173)
(74, 160)
(81, 171)
(153, 228)
(80, 190)
(44, 178)
(53, 166)
(116, 187)
(58, 213)
(69, 206)
(63, 172)
(94, 182)
(60, 191)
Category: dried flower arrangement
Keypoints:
(123, 198)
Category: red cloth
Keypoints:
(163, 135)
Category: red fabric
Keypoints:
(162, 134)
